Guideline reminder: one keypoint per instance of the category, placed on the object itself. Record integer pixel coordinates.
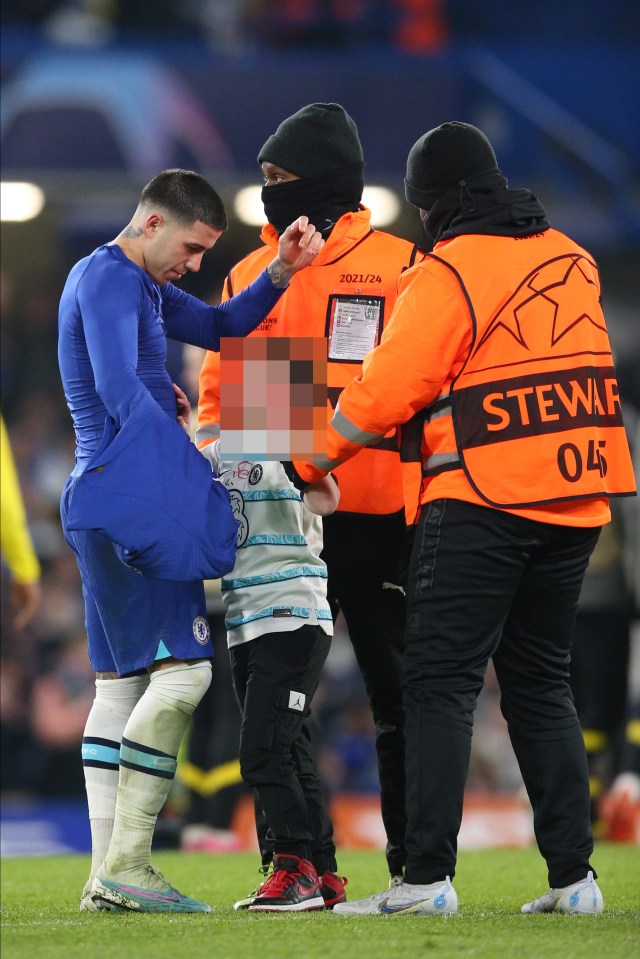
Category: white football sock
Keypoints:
(114, 703)
(150, 744)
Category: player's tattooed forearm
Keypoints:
(279, 274)
(274, 274)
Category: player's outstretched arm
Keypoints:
(190, 320)
(297, 248)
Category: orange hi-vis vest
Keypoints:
(497, 365)
(533, 415)
(358, 267)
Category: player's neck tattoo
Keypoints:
(131, 232)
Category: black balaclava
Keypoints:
(320, 144)
(452, 174)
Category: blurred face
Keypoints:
(275, 174)
(173, 249)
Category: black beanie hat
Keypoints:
(319, 138)
(442, 157)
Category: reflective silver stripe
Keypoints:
(441, 459)
(206, 433)
(444, 410)
(325, 464)
(350, 431)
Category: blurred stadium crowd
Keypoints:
(414, 26)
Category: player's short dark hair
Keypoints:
(187, 196)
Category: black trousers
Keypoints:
(273, 676)
(363, 554)
(483, 583)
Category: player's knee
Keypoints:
(182, 685)
(120, 696)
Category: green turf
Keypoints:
(40, 917)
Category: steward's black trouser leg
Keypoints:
(485, 583)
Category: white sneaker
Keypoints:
(437, 899)
(577, 899)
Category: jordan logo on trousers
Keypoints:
(296, 700)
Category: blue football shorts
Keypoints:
(132, 620)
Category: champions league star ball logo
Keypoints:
(201, 630)
(547, 306)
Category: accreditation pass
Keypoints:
(354, 326)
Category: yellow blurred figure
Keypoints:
(15, 540)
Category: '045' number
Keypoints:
(571, 464)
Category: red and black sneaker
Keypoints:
(292, 887)
(332, 889)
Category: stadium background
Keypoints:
(98, 95)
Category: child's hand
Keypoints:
(183, 409)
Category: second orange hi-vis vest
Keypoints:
(357, 264)
(535, 408)
(497, 365)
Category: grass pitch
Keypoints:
(40, 917)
